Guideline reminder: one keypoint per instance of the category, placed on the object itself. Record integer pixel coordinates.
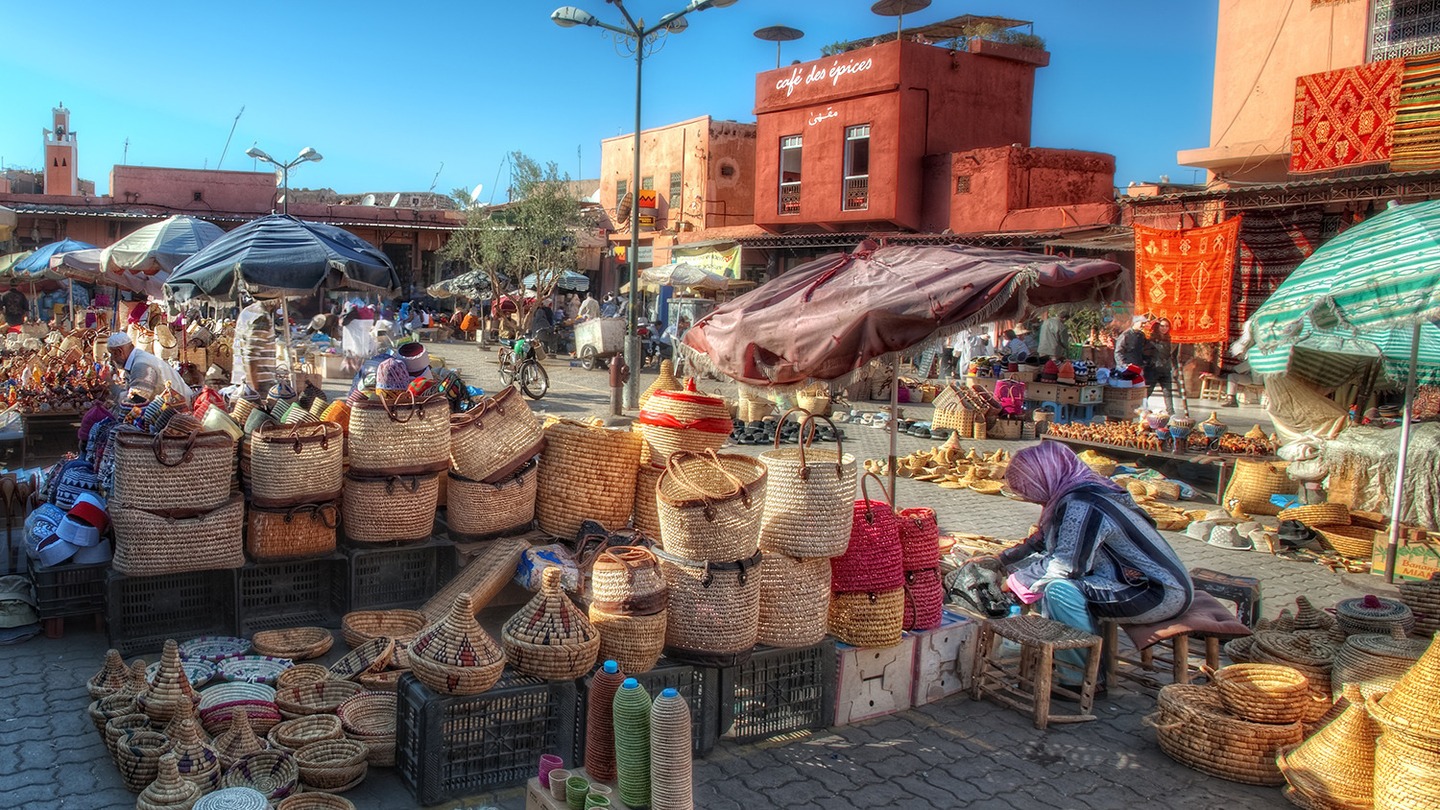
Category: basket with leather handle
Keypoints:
(150, 543)
(497, 437)
(390, 508)
(173, 470)
(710, 505)
(408, 436)
(296, 463)
(291, 533)
(699, 593)
(808, 493)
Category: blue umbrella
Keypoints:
(37, 264)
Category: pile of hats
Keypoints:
(765, 430)
(54, 536)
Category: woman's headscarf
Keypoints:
(1047, 472)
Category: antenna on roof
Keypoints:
(436, 179)
(233, 124)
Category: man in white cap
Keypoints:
(142, 370)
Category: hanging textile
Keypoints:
(1345, 117)
(1272, 244)
(1417, 116)
(1187, 276)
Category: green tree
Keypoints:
(533, 233)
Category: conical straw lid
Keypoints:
(1410, 706)
(1337, 763)
(138, 681)
(238, 740)
(665, 382)
(550, 618)
(112, 677)
(168, 791)
(1309, 617)
(456, 639)
(171, 686)
(198, 761)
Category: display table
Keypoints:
(1222, 463)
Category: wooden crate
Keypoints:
(1122, 403)
(874, 682)
(944, 659)
(1065, 394)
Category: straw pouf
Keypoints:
(1407, 772)
(196, 759)
(1374, 662)
(632, 743)
(315, 801)
(168, 791)
(455, 656)
(1373, 614)
(235, 798)
(335, 765)
(169, 687)
(671, 759)
(600, 722)
(111, 678)
(1335, 766)
(273, 773)
(550, 637)
(137, 755)
(1409, 708)
(238, 741)
(370, 718)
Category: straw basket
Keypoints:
(274, 774)
(1423, 598)
(919, 538)
(586, 472)
(1374, 663)
(1193, 728)
(479, 510)
(171, 472)
(1374, 614)
(794, 600)
(673, 421)
(293, 532)
(406, 437)
(714, 609)
(549, 637)
(1311, 653)
(950, 411)
(1252, 484)
(1336, 766)
(1318, 514)
(808, 497)
(150, 543)
(315, 801)
(369, 656)
(495, 438)
(1407, 773)
(292, 735)
(455, 656)
(332, 764)
(1007, 428)
(370, 718)
(647, 514)
(302, 674)
(397, 507)
(137, 755)
(627, 607)
(103, 710)
(361, 627)
(873, 560)
(1355, 542)
(815, 400)
(168, 791)
(710, 505)
(924, 599)
(296, 463)
(1409, 708)
(1264, 693)
(111, 678)
(117, 727)
(294, 643)
(321, 697)
(874, 619)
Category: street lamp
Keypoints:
(306, 155)
(638, 38)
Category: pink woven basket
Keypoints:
(919, 538)
(873, 560)
(924, 599)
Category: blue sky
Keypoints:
(389, 91)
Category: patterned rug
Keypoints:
(1272, 244)
(1187, 276)
(1417, 117)
(1345, 117)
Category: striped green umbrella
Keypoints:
(1374, 290)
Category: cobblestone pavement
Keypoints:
(954, 753)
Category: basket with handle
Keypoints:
(646, 519)
(293, 532)
(408, 436)
(628, 607)
(476, 509)
(1252, 484)
(873, 560)
(493, 439)
(171, 470)
(587, 472)
(794, 600)
(868, 619)
(700, 592)
(296, 463)
(150, 543)
(808, 495)
(389, 508)
(710, 505)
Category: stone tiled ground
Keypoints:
(955, 753)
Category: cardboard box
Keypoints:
(944, 659)
(1414, 559)
(1065, 394)
(874, 682)
(334, 366)
(1122, 403)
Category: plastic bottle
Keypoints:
(1008, 648)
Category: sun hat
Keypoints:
(54, 551)
(415, 355)
(101, 552)
(118, 339)
(1229, 537)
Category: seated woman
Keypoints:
(1095, 555)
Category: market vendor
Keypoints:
(1094, 555)
(142, 370)
(1014, 349)
(255, 347)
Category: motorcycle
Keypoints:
(651, 349)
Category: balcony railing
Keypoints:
(857, 193)
(790, 198)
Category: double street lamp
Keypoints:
(306, 155)
(638, 38)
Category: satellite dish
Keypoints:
(369, 199)
(623, 209)
(395, 201)
(475, 195)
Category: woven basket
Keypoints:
(196, 759)
(386, 681)
(371, 718)
(664, 381)
(407, 437)
(117, 727)
(1373, 663)
(137, 755)
(814, 401)
(710, 505)
(1319, 514)
(315, 801)
(455, 656)
(634, 642)
(103, 710)
(873, 560)
(492, 440)
(647, 514)
(924, 599)
(919, 538)
(168, 791)
(478, 510)
(168, 689)
(714, 609)
(808, 495)
(950, 411)
(1409, 708)
(586, 472)
(332, 764)
(370, 656)
(295, 464)
(1311, 653)
(1374, 614)
(275, 774)
(675, 421)
(291, 533)
(238, 740)
(1407, 773)
(302, 674)
(360, 627)
(549, 637)
(1194, 729)
(1264, 693)
(1252, 484)
(1336, 766)
(1007, 428)
(1423, 598)
(295, 643)
(149, 544)
(292, 735)
(627, 607)
(173, 472)
(1355, 542)
(111, 678)
(395, 508)
(874, 619)
(321, 697)
(794, 600)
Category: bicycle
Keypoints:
(519, 362)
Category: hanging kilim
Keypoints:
(1417, 117)
(1345, 117)
(1187, 276)
(1272, 244)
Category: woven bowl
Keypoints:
(361, 626)
(292, 735)
(302, 674)
(371, 718)
(315, 801)
(273, 773)
(371, 656)
(333, 764)
(295, 643)
(1264, 693)
(1355, 542)
(321, 697)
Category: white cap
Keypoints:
(117, 339)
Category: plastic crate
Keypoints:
(300, 593)
(142, 612)
(449, 747)
(69, 590)
(392, 578)
(779, 691)
(700, 686)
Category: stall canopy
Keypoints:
(569, 280)
(160, 247)
(279, 256)
(37, 264)
(684, 275)
(1374, 289)
(472, 284)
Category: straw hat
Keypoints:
(1336, 766)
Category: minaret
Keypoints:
(61, 175)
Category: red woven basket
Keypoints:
(924, 599)
(873, 560)
(919, 538)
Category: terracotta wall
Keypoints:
(1009, 188)
(234, 192)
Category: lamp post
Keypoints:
(306, 155)
(638, 37)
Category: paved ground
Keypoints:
(955, 753)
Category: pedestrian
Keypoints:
(15, 305)
(589, 308)
(254, 347)
(972, 345)
(1130, 346)
(1014, 349)
(610, 308)
(1160, 362)
(1054, 337)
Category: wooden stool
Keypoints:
(1168, 643)
(1025, 684)
(1212, 387)
(1243, 591)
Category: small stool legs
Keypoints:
(1026, 684)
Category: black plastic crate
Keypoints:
(779, 691)
(144, 611)
(448, 747)
(299, 593)
(69, 590)
(392, 578)
(700, 686)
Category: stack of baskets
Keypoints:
(550, 637)
(398, 448)
(1407, 759)
(710, 507)
(1423, 599)
(867, 582)
(296, 474)
(808, 497)
(1310, 652)
(586, 472)
(1374, 614)
(1374, 663)
(1332, 521)
(1198, 725)
(628, 607)
(920, 556)
(493, 480)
